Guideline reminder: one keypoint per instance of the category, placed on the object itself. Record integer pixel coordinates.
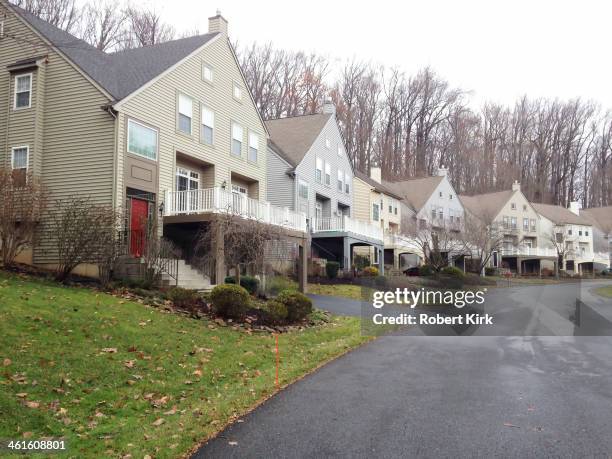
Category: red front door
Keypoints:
(138, 219)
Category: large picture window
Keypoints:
(142, 140)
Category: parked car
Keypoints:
(412, 272)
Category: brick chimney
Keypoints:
(217, 24)
(442, 171)
(328, 106)
(574, 207)
(375, 174)
(516, 186)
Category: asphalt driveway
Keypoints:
(436, 396)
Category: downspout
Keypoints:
(111, 111)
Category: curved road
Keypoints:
(439, 396)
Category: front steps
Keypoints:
(188, 277)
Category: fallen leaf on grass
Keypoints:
(27, 434)
(32, 404)
(110, 350)
(172, 411)
(7, 362)
(159, 422)
(129, 363)
(22, 394)
(198, 373)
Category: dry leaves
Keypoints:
(110, 350)
(7, 362)
(32, 404)
(159, 422)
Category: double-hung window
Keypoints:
(207, 73)
(375, 212)
(319, 170)
(142, 140)
(390, 205)
(23, 91)
(525, 224)
(208, 126)
(513, 222)
(347, 186)
(533, 224)
(506, 222)
(340, 180)
(237, 92)
(253, 146)
(237, 134)
(303, 189)
(327, 174)
(19, 164)
(185, 113)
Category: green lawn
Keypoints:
(344, 290)
(115, 377)
(605, 291)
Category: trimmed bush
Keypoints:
(370, 271)
(331, 269)
(276, 312)
(298, 305)
(426, 270)
(250, 283)
(181, 297)
(277, 284)
(453, 271)
(490, 271)
(230, 300)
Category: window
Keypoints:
(524, 207)
(19, 164)
(579, 232)
(390, 206)
(237, 92)
(185, 113)
(450, 196)
(339, 150)
(207, 73)
(506, 222)
(441, 194)
(340, 181)
(303, 189)
(23, 91)
(253, 146)
(533, 224)
(347, 186)
(239, 189)
(327, 174)
(327, 143)
(513, 206)
(513, 222)
(441, 213)
(586, 233)
(525, 224)
(319, 170)
(187, 180)
(236, 139)
(395, 209)
(375, 212)
(434, 212)
(142, 140)
(569, 231)
(208, 126)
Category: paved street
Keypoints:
(435, 396)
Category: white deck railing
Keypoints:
(529, 251)
(218, 200)
(347, 224)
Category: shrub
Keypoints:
(370, 271)
(331, 269)
(547, 272)
(250, 283)
(361, 261)
(181, 297)
(426, 270)
(298, 305)
(230, 300)
(276, 312)
(277, 284)
(453, 271)
(490, 271)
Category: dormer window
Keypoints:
(23, 91)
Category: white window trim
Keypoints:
(31, 75)
(232, 124)
(178, 113)
(303, 183)
(235, 85)
(249, 134)
(21, 147)
(319, 161)
(327, 166)
(130, 120)
(202, 108)
(212, 72)
(186, 173)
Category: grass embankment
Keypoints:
(117, 378)
(342, 290)
(605, 291)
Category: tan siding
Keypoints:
(361, 200)
(71, 138)
(156, 105)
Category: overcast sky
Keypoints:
(497, 49)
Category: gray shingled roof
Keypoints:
(295, 135)
(416, 191)
(120, 73)
(601, 217)
(380, 187)
(559, 215)
(488, 205)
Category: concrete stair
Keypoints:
(189, 278)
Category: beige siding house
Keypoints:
(169, 130)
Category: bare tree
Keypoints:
(146, 28)
(105, 25)
(482, 237)
(438, 242)
(22, 203)
(63, 14)
(558, 239)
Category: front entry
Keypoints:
(139, 211)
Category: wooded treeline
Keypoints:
(408, 124)
(560, 151)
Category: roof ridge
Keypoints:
(147, 47)
(296, 116)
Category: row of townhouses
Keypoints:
(171, 131)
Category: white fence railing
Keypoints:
(217, 200)
(347, 224)
(529, 251)
(400, 240)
